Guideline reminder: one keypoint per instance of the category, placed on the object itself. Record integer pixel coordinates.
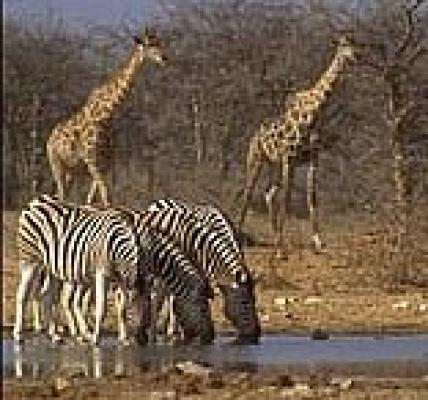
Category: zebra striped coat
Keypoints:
(158, 256)
(79, 248)
(207, 237)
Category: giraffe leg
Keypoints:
(284, 209)
(312, 202)
(58, 172)
(272, 198)
(98, 183)
(254, 166)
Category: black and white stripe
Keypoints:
(206, 235)
(53, 239)
(78, 248)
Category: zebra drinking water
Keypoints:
(207, 237)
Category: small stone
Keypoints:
(313, 300)
(189, 367)
(265, 318)
(163, 395)
(401, 305)
(61, 384)
(280, 301)
(284, 380)
(301, 389)
(319, 334)
(423, 307)
(343, 383)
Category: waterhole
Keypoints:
(38, 358)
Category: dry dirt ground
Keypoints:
(346, 290)
(172, 383)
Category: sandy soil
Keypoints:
(172, 383)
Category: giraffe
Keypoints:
(82, 139)
(290, 140)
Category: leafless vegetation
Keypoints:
(185, 128)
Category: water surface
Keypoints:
(38, 358)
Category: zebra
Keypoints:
(160, 258)
(75, 247)
(206, 235)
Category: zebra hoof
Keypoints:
(95, 340)
(81, 339)
(56, 339)
(124, 341)
(18, 340)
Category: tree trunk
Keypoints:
(400, 207)
(199, 141)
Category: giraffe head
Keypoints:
(150, 47)
(345, 48)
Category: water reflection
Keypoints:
(39, 358)
(93, 362)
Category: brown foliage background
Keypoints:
(239, 61)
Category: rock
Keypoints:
(280, 301)
(284, 380)
(191, 368)
(343, 383)
(423, 307)
(163, 395)
(265, 318)
(291, 300)
(61, 384)
(313, 300)
(301, 389)
(401, 305)
(319, 334)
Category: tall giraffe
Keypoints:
(289, 141)
(82, 139)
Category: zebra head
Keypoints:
(240, 306)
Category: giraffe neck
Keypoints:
(103, 100)
(325, 83)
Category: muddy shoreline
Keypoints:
(173, 383)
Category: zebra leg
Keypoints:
(171, 325)
(100, 293)
(80, 310)
(97, 363)
(38, 303)
(121, 315)
(18, 361)
(37, 320)
(27, 278)
(66, 299)
(50, 295)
